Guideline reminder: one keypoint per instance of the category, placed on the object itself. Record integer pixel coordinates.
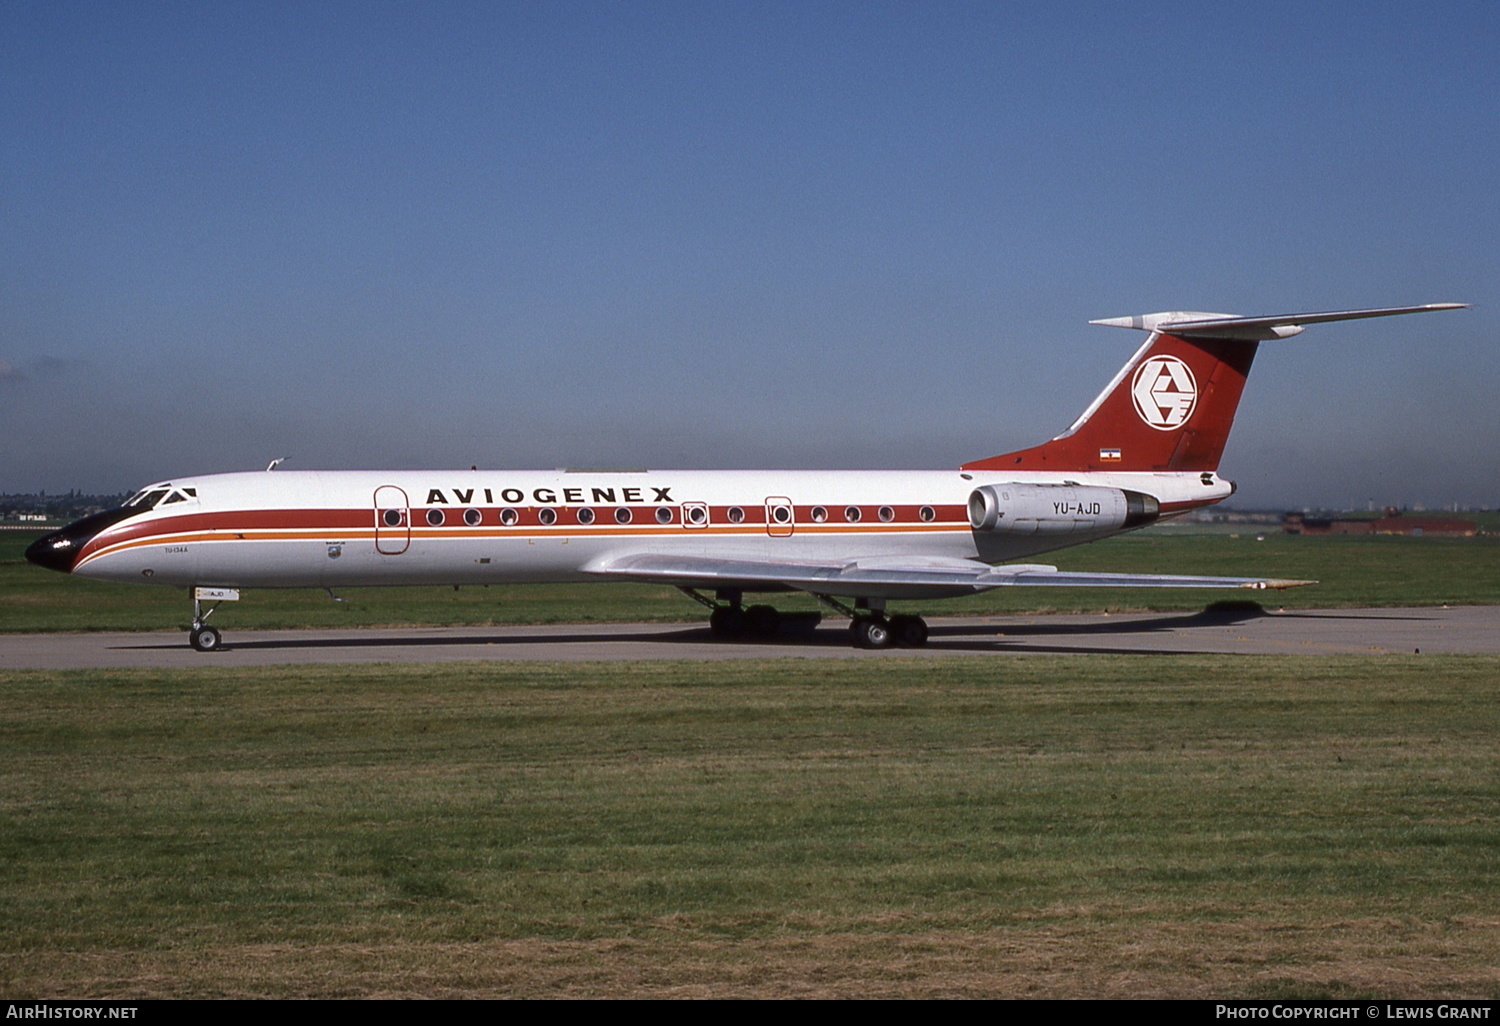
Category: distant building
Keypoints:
(1393, 522)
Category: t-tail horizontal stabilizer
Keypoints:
(1170, 408)
(1185, 324)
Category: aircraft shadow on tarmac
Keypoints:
(996, 637)
(1217, 615)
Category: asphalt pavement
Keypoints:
(1247, 631)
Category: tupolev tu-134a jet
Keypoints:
(1146, 449)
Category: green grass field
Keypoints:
(1029, 826)
(1370, 571)
(1044, 826)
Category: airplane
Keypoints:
(1146, 449)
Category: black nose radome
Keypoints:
(60, 550)
(56, 551)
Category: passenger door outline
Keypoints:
(392, 521)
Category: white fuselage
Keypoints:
(351, 528)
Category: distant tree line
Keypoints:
(71, 506)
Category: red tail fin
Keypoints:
(1169, 408)
(1172, 405)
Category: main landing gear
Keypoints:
(878, 631)
(730, 619)
(873, 629)
(868, 624)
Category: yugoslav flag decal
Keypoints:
(1164, 392)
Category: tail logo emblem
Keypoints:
(1165, 392)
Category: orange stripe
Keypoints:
(572, 532)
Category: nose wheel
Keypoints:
(206, 639)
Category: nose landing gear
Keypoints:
(202, 637)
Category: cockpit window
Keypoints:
(159, 495)
(145, 499)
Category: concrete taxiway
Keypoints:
(1241, 631)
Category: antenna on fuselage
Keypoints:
(278, 461)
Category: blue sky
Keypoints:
(738, 235)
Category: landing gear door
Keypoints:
(392, 521)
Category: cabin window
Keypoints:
(851, 514)
(585, 516)
(819, 514)
(886, 514)
(622, 515)
(548, 517)
(435, 517)
(781, 514)
(663, 515)
(736, 515)
(472, 517)
(928, 514)
(508, 517)
(392, 518)
(697, 515)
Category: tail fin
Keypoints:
(1171, 407)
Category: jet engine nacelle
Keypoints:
(1013, 509)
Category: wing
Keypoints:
(912, 577)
